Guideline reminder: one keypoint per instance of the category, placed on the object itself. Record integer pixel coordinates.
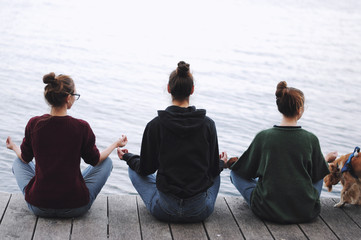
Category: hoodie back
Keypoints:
(188, 151)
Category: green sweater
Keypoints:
(287, 161)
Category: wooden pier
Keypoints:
(125, 217)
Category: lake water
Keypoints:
(120, 54)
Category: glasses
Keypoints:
(76, 96)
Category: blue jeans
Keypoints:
(246, 187)
(169, 208)
(94, 177)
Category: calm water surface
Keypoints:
(120, 54)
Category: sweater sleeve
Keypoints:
(147, 163)
(133, 161)
(247, 165)
(319, 165)
(214, 152)
(89, 152)
(27, 153)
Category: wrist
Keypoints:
(127, 156)
(115, 145)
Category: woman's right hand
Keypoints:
(224, 157)
(122, 141)
(331, 156)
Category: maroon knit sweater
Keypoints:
(58, 143)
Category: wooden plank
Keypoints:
(93, 225)
(338, 221)
(124, 223)
(52, 229)
(184, 231)
(152, 229)
(221, 224)
(353, 211)
(123, 218)
(317, 230)
(251, 226)
(289, 231)
(4, 200)
(18, 221)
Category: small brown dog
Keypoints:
(351, 191)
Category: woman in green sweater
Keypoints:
(280, 175)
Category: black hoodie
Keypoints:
(181, 143)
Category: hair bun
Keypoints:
(281, 86)
(49, 78)
(183, 69)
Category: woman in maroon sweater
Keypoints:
(55, 186)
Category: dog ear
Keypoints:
(333, 177)
(333, 167)
(328, 182)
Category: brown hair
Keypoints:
(57, 88)
(289, 100)
(181, 82)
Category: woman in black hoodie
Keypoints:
(181, 145)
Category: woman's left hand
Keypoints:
(10, 144)
(121, 152)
